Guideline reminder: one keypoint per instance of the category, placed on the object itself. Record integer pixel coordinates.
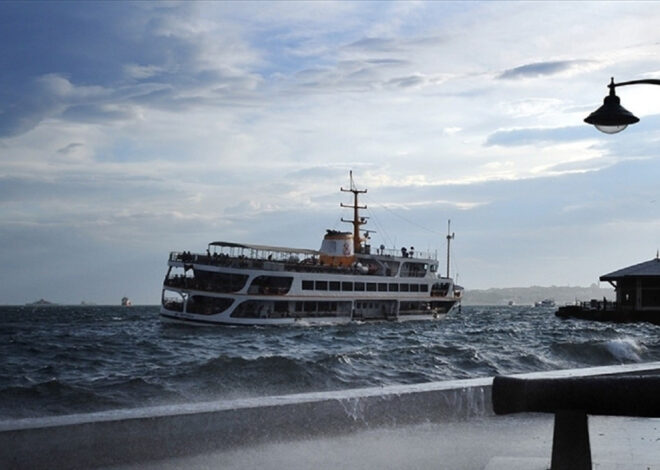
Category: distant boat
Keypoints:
(126, 302)
(40, 303)
(545, 303)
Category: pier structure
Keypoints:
(637, 296)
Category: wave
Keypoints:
(625, 349)
(68, 360)
(601, 352)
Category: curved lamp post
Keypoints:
(612, 117)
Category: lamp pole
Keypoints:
(611, 117)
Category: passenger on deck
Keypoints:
(404, 252)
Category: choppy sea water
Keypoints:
(63, 360)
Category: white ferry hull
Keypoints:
(177, 318)
(169, 317)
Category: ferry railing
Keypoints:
(571, 400)
(266, 265)
(414, 254)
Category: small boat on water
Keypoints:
(247, 284)
(545, 303)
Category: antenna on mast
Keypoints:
(450, 237)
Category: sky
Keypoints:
(132, 129)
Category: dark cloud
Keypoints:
(394, 62)
(69, 60)
(541, 69)
(408, 82)
(70, 148)
(96, 113)
(374, 44)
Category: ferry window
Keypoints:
(414, 287)
(308, 285)
(347, 286)
(382, 287)
(413, 269)
(434, 268)
(404, 287)
(310, 306)
(371, 286)
(394, 287)
(423, 287)
(270, 285)
(218, 282)
(208, 305)
(334, 285)
(321, 285)
(359, 286)
(299, 306)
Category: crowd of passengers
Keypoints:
(311, 264)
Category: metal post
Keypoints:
(570, 441)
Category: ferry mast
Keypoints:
(450, 237)
(357, 220)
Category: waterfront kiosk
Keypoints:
(637, 296)
(637, 289)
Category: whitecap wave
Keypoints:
(625, 349)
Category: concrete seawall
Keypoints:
(129, 436)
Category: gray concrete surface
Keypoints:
(521, 442)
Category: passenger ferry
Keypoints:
(247, 284)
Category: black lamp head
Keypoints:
(611, 117)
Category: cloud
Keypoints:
(333, 173)
(412, 81)
(542, 69)
(582, 166)
(72, 147)
(515, 137)
(374, 45)
(88, 69)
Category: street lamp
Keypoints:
(612, 117)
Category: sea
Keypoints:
(60, 360)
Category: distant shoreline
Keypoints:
(562, 295)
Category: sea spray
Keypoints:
(625, 349)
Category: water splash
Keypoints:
(625, 349)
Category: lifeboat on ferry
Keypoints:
(337, 249)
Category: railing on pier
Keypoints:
(571, 400)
